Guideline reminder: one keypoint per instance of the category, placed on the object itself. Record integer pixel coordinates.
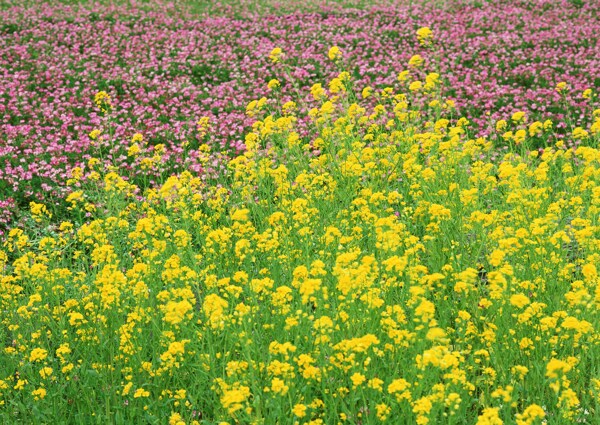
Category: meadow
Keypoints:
(370, 213)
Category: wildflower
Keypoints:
(530, 415)
(134, 150)
(561, 87)
(102, 101)
(400, 388)
(126, 389)
(431, 80)
(273, 84)
(278, 386)
(94, 134)
(75, 318)
(141, 393)
(46, 372)
(579, 133)
(489, 416)
(240, 215)
(403, 76)
(327, 108)
(357, 379)
(415, 86)
(299, 410)
(589, 271)
(587, 94)
(276, 55)
(334, 53)
(176, 419)
(336, 85)
(20, 384)
(317, 91)
(422, 406)
(288, 107)
(39, 394)
(424, 35)
(203, 125)
(38, 354)
(415, 61)
(556, 367)
(38, 211)
(519, 117)
(234, 399)
(519, 300)
(383, 411)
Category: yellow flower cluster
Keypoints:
(386, 268)
(102, 101)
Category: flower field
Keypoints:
(352, 216)
(165, 69)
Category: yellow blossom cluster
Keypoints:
(387, 269)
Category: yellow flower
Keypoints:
(39, 210)
(299, 410)
(403, 76)
(278, 386)
(556, 367)
(94, 134)
(46, 372)
(383, 411)
(561, 87)
(276, 54)
(317, 91)
(519, 300)
(415, 86)
(126, 389)
(288, 107)
(519, 117)
(424, 35)
(75, 318)
(141, 393)
(357, 379)
(587, 93)
(233, 399)
(530, 415)
(431, 80)
(398, 385)
(133, 150)
(39, 394)
(579, 133)
(334, 53)
(273, 84)
(519, 371)
(38, 354)
(589, 271)
(415, 61)
(327, 108)
(336, 85)
(489, 416)
(176, 419)
(20, 384)
(422, 406)
(102, 100)
(496, 257)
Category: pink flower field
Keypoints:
(165, 69)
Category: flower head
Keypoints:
(334, 53)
